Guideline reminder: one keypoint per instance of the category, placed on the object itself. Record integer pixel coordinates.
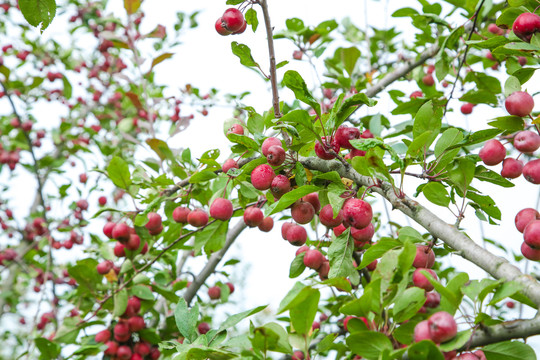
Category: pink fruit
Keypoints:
(323, 150)
(424, 257)
(519, 103)
(362, 236)
(357, 213)
(526, 25)
(526, 141)
(276, 155)
(233, 19)
(302, 212)
(344, 135)
(220, 28)
(524, 217)
(121, 232)
(136, 323)
(229, 164)
(492, 153)
(296, 235)
(103, 336)
(267, 224)
(467, 108)
(284, 228)
(512, 168)
(433, 299)
(529, 252)
(324, 270)
(180, 214)
(531, 171)
(313, 199)
(421, 331)
(154, 221)
(203, 328)
(112, 348)
(531, 234)
(280, 186)
(133, 306)
(123, 353)
(231, 287)
(301, 249)
(119, 250)
(428, 80)
(253, 216)
(467, 356)
(236, 129)
(108, 229)
(104, 267)
(297, 355)
(269, 142)
(313, 259)
(262, 176)
(221, 209)
(133, 243)
(416, 94)
(494, 29)
(197, 218)
(326, 216)
(480, 355)
(421, 281)
(338, 230)
(214, 292)
(442, 327)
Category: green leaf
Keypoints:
(378, 250)
(408, 303)
(491, 43)
(251, 18)
(120, 302)
(215, 233)
(436, 193)
(425, 350)
(484, 174)
(369, 344)
(349, 57)
(142, 292)
(186, 319)
(448, 138)
(289, 198)
(292, 297)
(479, 97)
(271, 337)
(217, 238)
(462, 173)
(297, 117)
(460, 340)
(118, 171)
(294, 81)
(244, 54)
(68, 89)
(47, 348)
(511, 85)
(236, 318)
(244, 140)
(303, 314)
(508, 17)
(507, 289)
(38, 12)
(509, 350)
(326, 343)
(297, 266)
(508, 123)
(427, 119)
(340, 255)
(202, 176)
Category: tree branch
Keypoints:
(213, 262)
(496, 266)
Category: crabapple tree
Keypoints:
(369, 161)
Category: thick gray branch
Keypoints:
(213, 262)
(517, 329)
(496, 266)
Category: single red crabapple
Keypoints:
(354, 153)
(421, 281)
(433, 299)
(104, 267)
(522, 60)
(357, 213)
(362, 236)
(338, 230)
(155, 353)
(221, 29)
(428, 80)
(531, 171)
(229, 164)
(344, 135)
(280, 186)
(241, 30)
(108, 229)
(442, 327)
(136, 356)
(267, 224)
(253, 216)
(197, 218)
(112, 348)
(297, 55)
(480, 354)
(154, 221)
(180, 214)
(512, 168)
(467, 108)
(531, 234)
(221, 209)
(269, 142)
(121, 329)
(467, 356)
(142, 348)
(313, 199)
(214, 292)
(203, 328)
(301, 249)
(296, 235)
(262, 176)
(492, 153)
(526, 141)
(510, 304)
(276, 155)
(102, 201)
(121, 232)
(525, 25)
(519, 103)
(133, 243)
(326, 217)
(313, 259)
(133, 306)
(236, 129)
(494, 29)
(372, 265)
(123, 353)
(323, 150)
(490, 56)
(302, 212)
(421, 331)
(136, 323)
(324, 270)
(103, 336)
(297, 355)
(233, 19)
(425, 258)
(315, 325)
(524, 217)
(119, 250)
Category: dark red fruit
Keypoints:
(357, 213)
(180, 214)
(344, 135)
(136, 323)
(421, 281)
(104, 267)
(220, 28)
(154, 221)
(467, 108)
(108, 229)
(276, 155)
(121, 232)
(253, 216)
(531, 234)
(203, 328)
(229, 164)
(103, 336)
(267, 224)
(296, 235)
(492, 153)
(221, 209)
(425, 258)
(421, 331)
(262, 176)
(326, 217)
(302, 212)
(280, 186)
(519, 103)
(526, 25)
(313, 259)
(428, 80)
(323, 150)
(233, 20)
(214, 292)
(269, 142)
(197, 218)
(531, 171)
(442, 327)
(529, 252)
(512, 168)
